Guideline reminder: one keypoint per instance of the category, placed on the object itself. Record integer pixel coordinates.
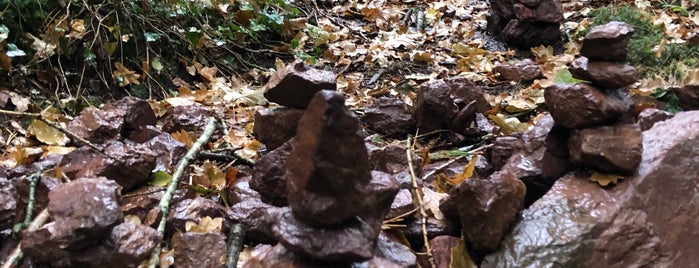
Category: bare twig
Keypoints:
(453, 160)
(172, 186)
(235, 244)
(16, 255)
(417, 194)
(32, 197)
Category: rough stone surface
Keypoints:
(648, 117)
(296, 84)
(526, 23)
(442, 247)
(275, 126)
(75, 161)
(133, 243)
(580, 105)
(485, 208)
(610, 149)
(169, 151)
(127, 164)
(389, 116)
(524, 70)
(257, 218)
(394, 251)
(194, 210)
(544, 11)
(607, 42)
(525, 35)
(402, 203)
(463, 91)
(268, 176)
(8, 204)
(608, 75)
(328, 167)
(392, 159)
(434, 107)
(646, 220)
(137, 113)
(241, 191)
(199, 249)
(97, 126)
(191, 118)
(688, 96)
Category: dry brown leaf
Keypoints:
(466, 173)
(125, 76)
(205, 225)
(604, 179)
(183, 137)
(77, 29)
(508, 125)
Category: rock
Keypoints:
(503, 148)
(434, 107)
(8, 204)
(447, 252)
(688, 96)
(525, 24)
(144, 133)
(578, 223)
(606, 74)
(169, 151)
(193, 210)
(97, 126)
(693, 40)
(145, 200)
(463, 120)
(392, 159)
(413, 230)
(199, 249)
(544, 11)
(525, 35)
(137, 113)
(241, 191)
(394, 251)
(389, 116)
(402, 203)
(132, 243)
(128, 165)
(464, 91)
(296, 84)
(524, 70)
(328, 167)
(48, 244)
(275, 126)
(191, 118)
(607, 42)
(76, 160)
(485, 208)
(609, 149)
(648, 117)
(268, 176)
(257, 218)
(580, 105)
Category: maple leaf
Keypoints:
(125, 76)
(604, 179)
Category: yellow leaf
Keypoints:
(125, 76)
(49, 150)
(183, 137)
(205, 225)
(422, 56)
(47, 134)
(604, 179)
(691, 77)
(460, 257)
(508, 125)
(542, 53)
(217, 179)
(466, 173)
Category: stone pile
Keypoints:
(526, 23)
(603, 136)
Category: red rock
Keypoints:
(296, 84)
(199, 249)
(137, 113)
(389, 116)
(97, 126)
(544, 11)
(688, 96)
(129, 165)
(524, 70)
(145, 200)
(257, 219)
(464, 91)
(275, 126)
(193, 210)
(394, 252)
(434, 106)
(402, 203)
(8, 204)
(607, 42)
(443, 249)
(132, 243)
(648, 219)
(525, 35)
(580, 105)
(191, 118)
(609, 75)
(609, 149)
(268, 176)
(392, 159)
(648, 117)
(168, 150)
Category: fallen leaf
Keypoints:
(47, 134)
(125, 76)
(604, 179)
(460, 257)
(431, 200)
(466, 173)
(183, 137)
(160, 178)
(508, 125)
(205, 225)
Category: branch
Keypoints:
(236, 237)
(417, 193)
(167, 196)
(16, 255)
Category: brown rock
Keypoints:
(144, 133)
(296, 84)
(145, 200)
(607, 42)
(524, 70)
(268, 176)
(525, 35)
(193, 210)
(275, 126)
(402, 203)
(199, 249)
(646, 220)
(544, 11)
(609, 75)
(392, 159)
(22, 187)
(48, 244)
(191, 118)
(413, 230)
(132, 243)
(688, 96)
(486, 208)
(257, 219)
(137, 113)
(446, 251)
(128, 165)
(464, 92)
(241, 191)
(394, 252)
(648, 117)
(97, 126)
(610, 149)
(8, 204)
(503, 148)
(169, 151)
(580, 105)
(328, 167)
(462, 121)
(434, 107)
(389, 116)
(76, 160)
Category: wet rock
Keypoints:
(394, 252)
(199, 249)
(97, 126)
(392, 159)
(128, 165)
(257, 218)
(485, 208)
(434, 107)
(610, 75)
(503, 148)
(581, 224)
(464, 91)
(607, 42)
(296, 84)
(413, 230)
(137, 113)
(194, 210)
(688, 96)
(268, 176)
(328, 167)
(402, 203)
(8, 204)
(389, 116)
(168, 150)
(191, 118)
(132, 243)
(482, 127)
(278, 256)
(610, 149)
(524, 70)
(144, 133)
(75, 161)
(462, 121)
(48, 244)
(145, 200)
(580, 105)
(648, 117)
(241, 191)
(443, 248)
(543, 11)
(275, 126)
